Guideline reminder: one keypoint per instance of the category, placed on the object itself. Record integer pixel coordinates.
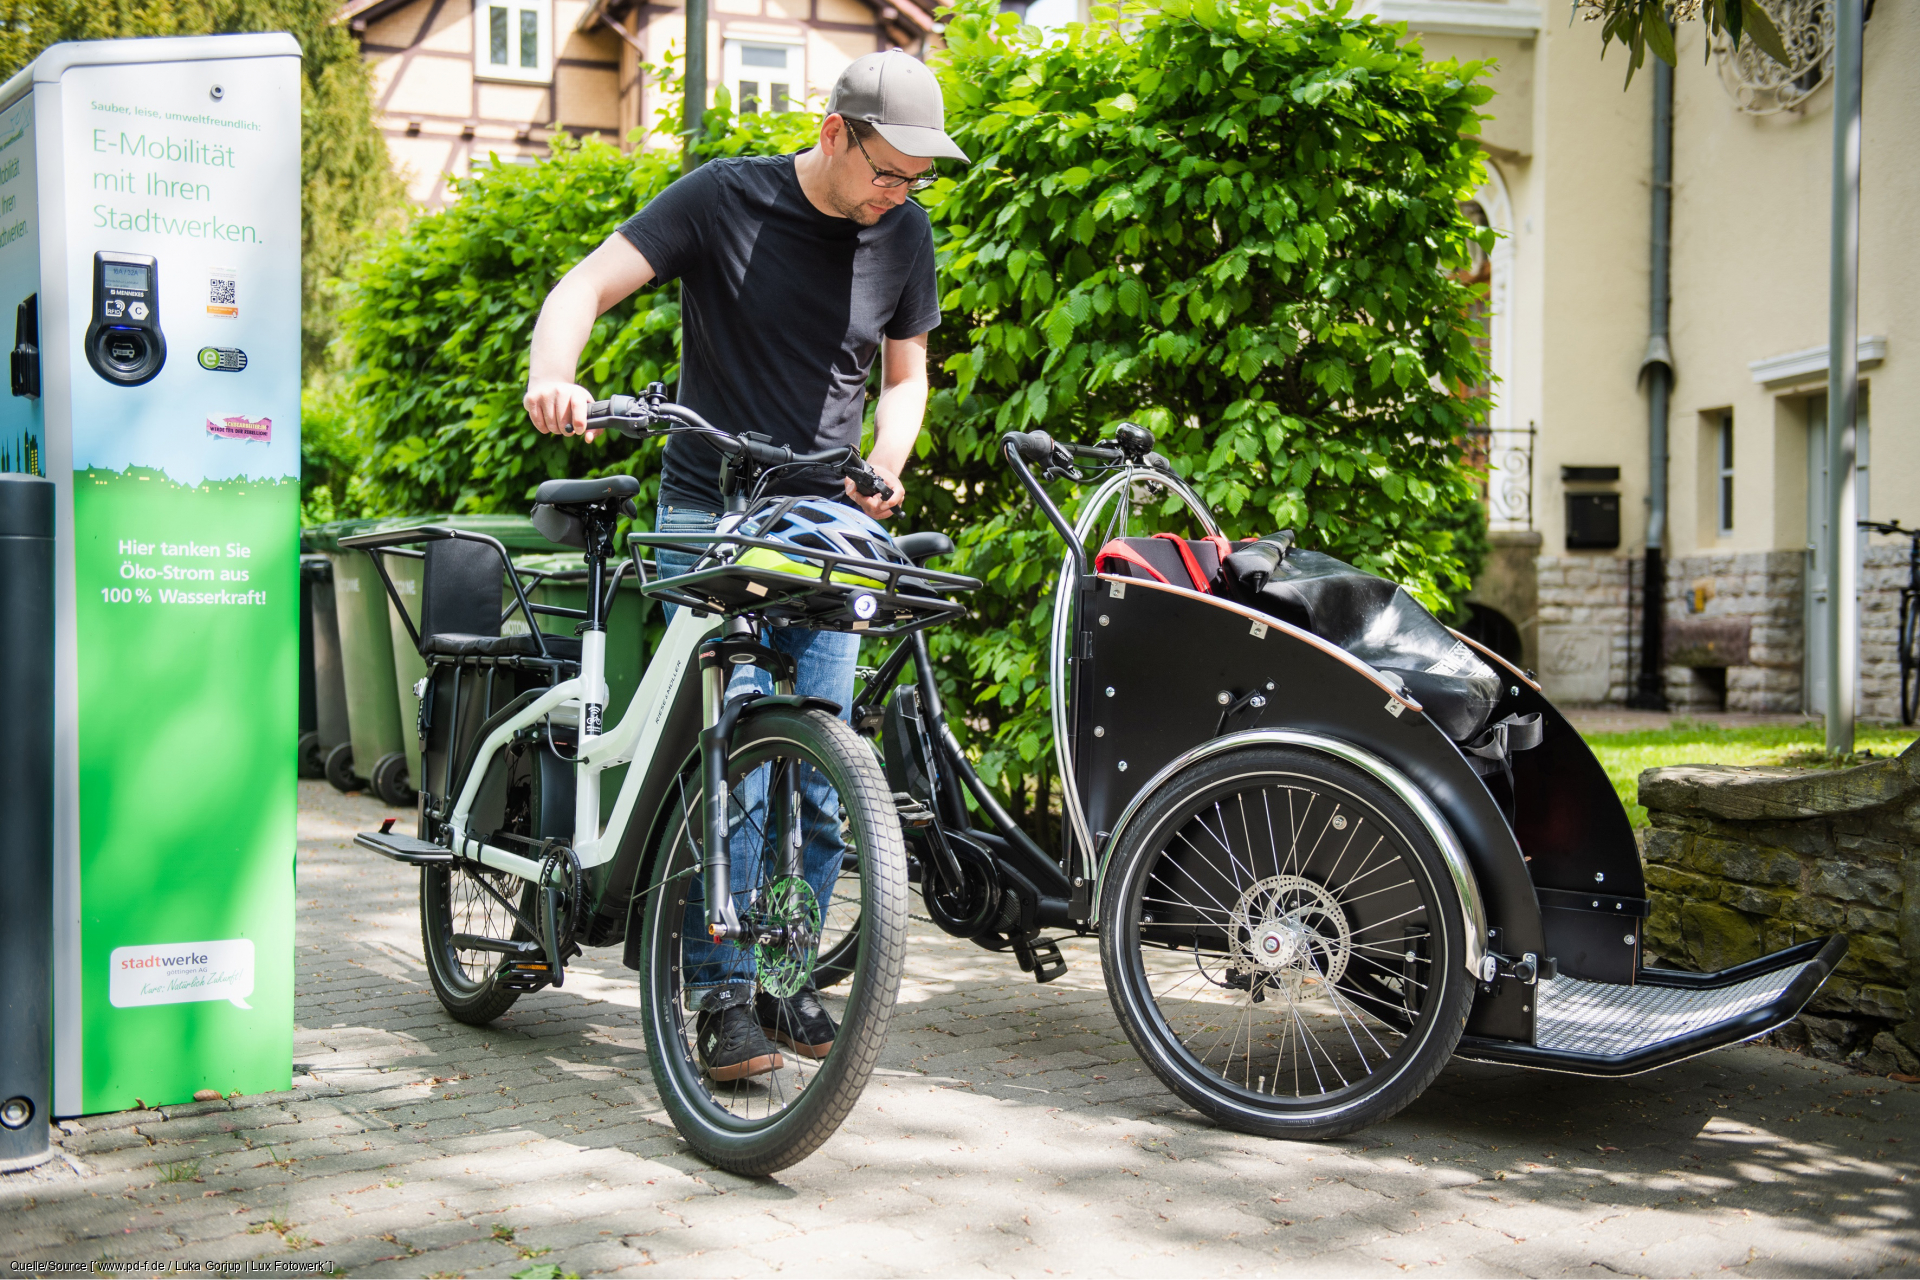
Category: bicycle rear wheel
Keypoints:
(461, 900)
(758, 1124)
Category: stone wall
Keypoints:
(1883, 572)
(1585, 636)
(1588, 636)
(1743, 862)
(1766, 590)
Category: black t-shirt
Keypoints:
(783, 308)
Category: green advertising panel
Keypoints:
(167, 237)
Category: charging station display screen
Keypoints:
(120, 276)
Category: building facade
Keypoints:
(462, 83)
(1569, 189)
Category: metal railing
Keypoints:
(1505, 455)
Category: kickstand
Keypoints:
(1040, 957)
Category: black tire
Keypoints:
(840, 937)
(339, 769)
(1909, 659)
(762, 1124)
(453, 901)
(1232, 913)
(313, 761)
(390, 780)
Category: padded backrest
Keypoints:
(461, 595)
(1193, 563)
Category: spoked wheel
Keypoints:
(1283, 944)
(762, 1122)
(454, 901)
(840, 937)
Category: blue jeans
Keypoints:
(824, 660)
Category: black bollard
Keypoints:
(26, 820)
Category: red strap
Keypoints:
(1194, 571)
(1225, 547)
(1118, 550)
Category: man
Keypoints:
(795, 271)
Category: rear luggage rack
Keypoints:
(1612, 1029)
(404, 848)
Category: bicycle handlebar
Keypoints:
(636, 417)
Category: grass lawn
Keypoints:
(1624, 755)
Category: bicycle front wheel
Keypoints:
(1283, 944)
(760, 1123)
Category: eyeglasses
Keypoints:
(886, 177)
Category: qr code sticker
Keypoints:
(220, 291)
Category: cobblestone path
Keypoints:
(1009, 1132)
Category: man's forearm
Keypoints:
(896, 423)
(561, 333)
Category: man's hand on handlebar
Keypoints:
(887, 494)
(559, 408)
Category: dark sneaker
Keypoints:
(798, 1021)
(732, 1046)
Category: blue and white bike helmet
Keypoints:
(817, 524)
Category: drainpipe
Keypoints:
(1657, 367)
(1843, 380)
(694, 105)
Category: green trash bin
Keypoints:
(375, 743)
(329, 727)
(517, 535)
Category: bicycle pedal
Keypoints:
(525, 975)
(1040, 957)
(912, 812)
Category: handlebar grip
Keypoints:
(1034, 446)
(1252, 566)
(599, 408)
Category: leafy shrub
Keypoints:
(1234, 223)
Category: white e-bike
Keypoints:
(542, 830)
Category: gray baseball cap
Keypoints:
(896, 93)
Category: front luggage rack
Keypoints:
(904, 599)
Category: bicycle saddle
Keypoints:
(575, 493)
(922, 547)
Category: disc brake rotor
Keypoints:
(1290, 933)
(789, 917)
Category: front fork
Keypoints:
(722, 716)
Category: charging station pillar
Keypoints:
(26, 820)
(150, 252)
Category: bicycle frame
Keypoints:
(708, 631)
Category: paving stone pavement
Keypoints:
(1010, 1131)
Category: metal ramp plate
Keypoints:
(1605, 1018)
(1613, 1029)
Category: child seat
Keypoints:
(460, 606)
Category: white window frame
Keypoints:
(1723, 458)
(734, 69)
(512, 72)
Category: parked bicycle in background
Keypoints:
(1907, 636)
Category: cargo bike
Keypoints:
(1326, 842)
(543, 830)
